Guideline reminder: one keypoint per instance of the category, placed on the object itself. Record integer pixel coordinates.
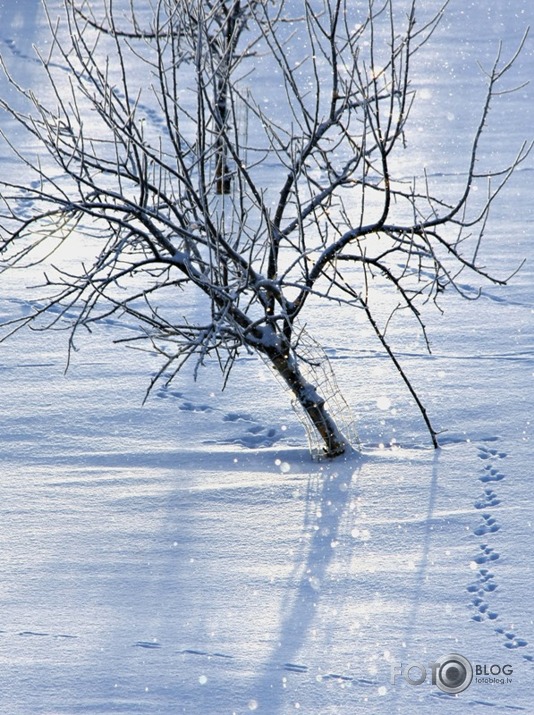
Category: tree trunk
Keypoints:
(222, 171)
(334, 443)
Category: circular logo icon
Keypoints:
(454, 673)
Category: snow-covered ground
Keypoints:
(188, 556)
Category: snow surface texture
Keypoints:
(188, 557)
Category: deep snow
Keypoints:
(188, 556)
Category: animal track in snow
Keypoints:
(164, 393)
(488, 554)
(487, 499)
(320, 674)
(489, 525)
(512, 641)
(485, 584)
(257, 435)
(295, 668)
(486, 453)
(193, 651)
(40, 634)
(253, 436)
(238, 417)
(491, 475)
(481, 587)
(191, 407)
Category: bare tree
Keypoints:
(166, 165)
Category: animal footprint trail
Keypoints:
(489, 525)
(164, 392)
(487, 499)
(485, 582)
(512, 641)
(250, 433)
(319, 673)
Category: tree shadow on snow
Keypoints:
(327, 504)
(327, 508)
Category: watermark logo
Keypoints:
(452, 673)
(494, 674)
